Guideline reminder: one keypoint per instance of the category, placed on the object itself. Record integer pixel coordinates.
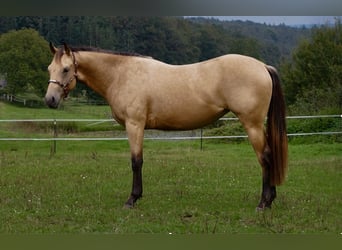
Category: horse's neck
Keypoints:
(97, 70)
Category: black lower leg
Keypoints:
(137, 188)
(269, 192)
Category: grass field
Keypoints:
(82, 188)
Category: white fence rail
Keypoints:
(195, 137)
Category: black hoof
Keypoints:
(264, 205)
(262, 208)
(131, 202)
(128, 206)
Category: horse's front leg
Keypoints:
(137, 188)
(135, 137)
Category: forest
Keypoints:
(308, 59)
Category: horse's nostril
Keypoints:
(51, 101)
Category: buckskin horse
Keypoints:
(145, 93)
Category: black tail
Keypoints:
(276, 130)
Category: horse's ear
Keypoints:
(67, 49)
(53, 48)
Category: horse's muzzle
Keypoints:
(51, 101)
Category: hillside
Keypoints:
(174, 40)
(276, 42)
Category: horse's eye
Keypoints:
(66, 70)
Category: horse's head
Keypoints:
(63, 75)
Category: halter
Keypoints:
(65, 86)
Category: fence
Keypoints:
(39, 102)
(195, 136)
(13, 98)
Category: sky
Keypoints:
(288, 20)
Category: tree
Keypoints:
(24, 57)
(312, 78)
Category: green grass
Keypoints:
(66, 111)
(82, 188)
(65, 129)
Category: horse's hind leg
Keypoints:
(269, 192)
(257, 137)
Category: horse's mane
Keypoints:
(92, 49)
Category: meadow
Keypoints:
(82, 187)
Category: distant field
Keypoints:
(66, 111)
(83, 186)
